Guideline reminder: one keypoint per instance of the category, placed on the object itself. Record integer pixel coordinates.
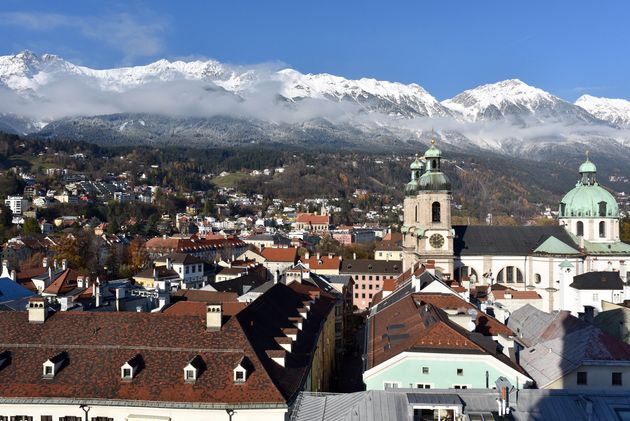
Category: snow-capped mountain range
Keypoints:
(50, 96)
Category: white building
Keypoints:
(522, 258)
(17, 204)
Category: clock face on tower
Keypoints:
(436, 241)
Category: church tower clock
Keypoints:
(427, 232)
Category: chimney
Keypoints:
(50, 274)
(169, 263)
(275, 276)
(622, 271)
(55, 264)
(45, 262)
(318, 256)
(354, 256)
(37, 310)
(97, 294)
(307, 255)
(214, 316)
(589, 314)
(13, 275)
(64, 264)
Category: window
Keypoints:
(48, 370)
(370, 296)
(194, 269)
(616, 379)
(602, 208)
(423, 386)
(363, 277)
(460, 386)
(435, 212)
(356, 295)
(370, 286)
(460, 371)
(363, 295)
(581, 378)
(390, 385)
(416, 214)
(102, 419)
(537, 278)
(47, 418)
(377, 277)
(425, 370)
(602, 229)
(509, 272)
(239, 376)
(187, 270)
(370, 278)
(126, 373)
(21, 418)
(69, 418)
(190, 375)
(362, 286)
(580, 229)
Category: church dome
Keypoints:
(589, 201)
(588, 198)
(587, 166)
(433, 152)
(434, 181)
(416, 164)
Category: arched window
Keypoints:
(510, 274)
(602, 208)
(435, 212)
(537, 278)
(433, 164)
(580, 229)
(602, 229)
(563, 209)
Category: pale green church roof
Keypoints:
(588, 199)
(612, 249)
(554, 246)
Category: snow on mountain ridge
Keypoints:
(614, 110)
(25, 72)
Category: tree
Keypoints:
(31, 227)
(137, 255)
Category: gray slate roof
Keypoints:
(598, 280)
(483, 240)
(557, 344)
(397, 404)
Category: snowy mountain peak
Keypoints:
(616, 111)
(514, 99)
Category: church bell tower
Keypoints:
(427, 231)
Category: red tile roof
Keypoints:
(98, 344)
(323, 263)
(485, 324)
(309, 218)
(280, 254)
(64, 283)
(516, 295)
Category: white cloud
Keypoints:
(121, 31)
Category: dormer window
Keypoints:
(240, 371)
(131, 368)
(53, 365)
(193, 369)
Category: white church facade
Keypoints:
(535, 258)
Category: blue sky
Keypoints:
(565, 47)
